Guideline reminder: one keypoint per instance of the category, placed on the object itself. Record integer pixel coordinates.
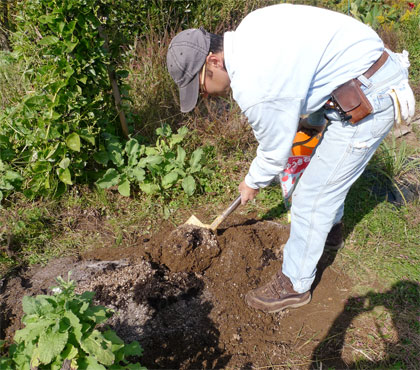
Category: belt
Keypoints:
(331, 104)
(375, 66)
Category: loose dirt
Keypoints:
(188, 248)
(181, 295)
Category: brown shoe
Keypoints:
(335, 240)
(276, 295)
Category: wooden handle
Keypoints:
(226, 213)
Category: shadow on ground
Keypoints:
(402, 302)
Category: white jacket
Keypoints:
(284, 61)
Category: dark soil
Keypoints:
(181, 295)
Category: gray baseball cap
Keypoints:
(186, 56)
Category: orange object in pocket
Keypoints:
(303, 144)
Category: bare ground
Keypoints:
(181, 295)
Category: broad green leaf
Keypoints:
(89, 138)
(12, 177)
(21, 355)
(151, 151)
(65, 162)
(116, 157)
(183, 131)
(73, 142)
(30, 305)
(83, 79)
(32, 331)
(101, 157)
(124, 188)
(180, 172)
(164, 131)
(169, 179)
(97, 346)
(50, 345)
(117, 342)
(89, 363)
(180, 158)
(88, 296)
(41, 167)
(98, 314)
(196, 158)
(64, 175)
(61, 26)
(70, 45)
(188, 184)
(178, 137)
(133, 349)
(113, 337)
(135, 367)
(149, 188)
(111, 178)
(70, 26)
(151, 159)
(44, 19)
(138, 173)
(36, 101)
(52, 151)
(69, 352)
(69, 71)
(132, 148)
(48, 40)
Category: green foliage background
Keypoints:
(57, 112)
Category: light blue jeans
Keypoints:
(338, 161)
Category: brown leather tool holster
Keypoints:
(351, 101)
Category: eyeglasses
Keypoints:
(203, 89)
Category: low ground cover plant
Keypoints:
(62, 328)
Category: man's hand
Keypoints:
(247, 193)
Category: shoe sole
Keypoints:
(295, 305)
(274, 310)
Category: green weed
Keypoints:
(61, 328)
(161, 168)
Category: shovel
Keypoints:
(215, 224)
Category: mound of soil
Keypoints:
(181, 295)
(188, 248)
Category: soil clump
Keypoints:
(183, 299)
(188, 248)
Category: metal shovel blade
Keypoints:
(215, 224)
(196, 222)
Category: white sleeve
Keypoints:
(274, 124)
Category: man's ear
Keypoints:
(216, 60)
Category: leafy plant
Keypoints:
(9, 180)
(51, 131)
(156, 169)
(62, 328)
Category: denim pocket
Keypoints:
(351, 162)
